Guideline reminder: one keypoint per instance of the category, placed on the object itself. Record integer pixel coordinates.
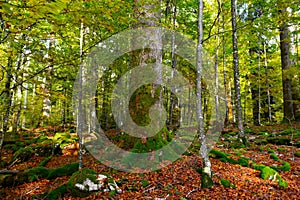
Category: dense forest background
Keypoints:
(252, 47)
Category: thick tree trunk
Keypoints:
(237, 73)
(288, 107)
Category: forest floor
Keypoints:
(181, 180)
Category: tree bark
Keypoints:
(206, 181)
(237, 73)
(288, 107)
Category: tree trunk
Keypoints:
(237, 73)
(80, 106)
(8, 101)
(288, 107)
(206, 181)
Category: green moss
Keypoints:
(57, 193)
(274, 157)
(79, 177)
(37, 172)
(23, 154)
(279, 140)
(282, 183)
(226, 183)
(223, 157)
(243, 162)
(232, 161)
(218, 154)
(285, 166)
(268, 173)
(258, 166)
(44, 161)
(281, 150)
(206, 181)
(66, 170)
(271, 151)
(145, 183)
(297, 154)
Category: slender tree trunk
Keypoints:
(268, 86)
(8, 101)
(206, 181)
(47, 86)
(80, 106)
(259, 91)
(237, 73)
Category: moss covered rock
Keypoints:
(268, 173)
(23, 154)
(76, 186)
(65, 170)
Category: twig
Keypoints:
(190, 192)
(37, 187)
(151, 188)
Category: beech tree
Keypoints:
(206, 181)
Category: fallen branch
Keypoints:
(9, 171)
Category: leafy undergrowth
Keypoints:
(180, 180)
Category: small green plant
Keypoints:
(145, 183)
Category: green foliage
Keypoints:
(281, 150)
(66, 170)
(63, 139)
(79, 177)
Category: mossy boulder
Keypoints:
(35, 173)
(65, 170)
(268, 173)
(80, 177)
(23, 154)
